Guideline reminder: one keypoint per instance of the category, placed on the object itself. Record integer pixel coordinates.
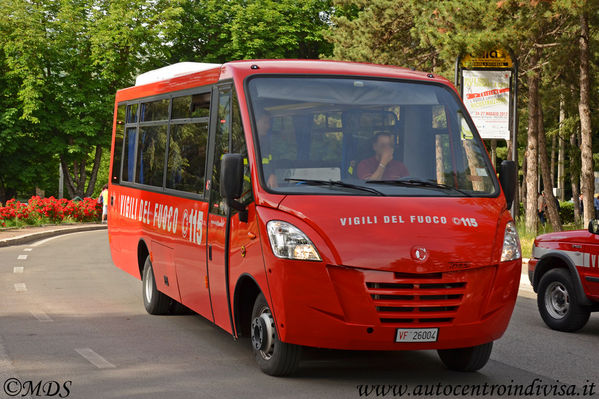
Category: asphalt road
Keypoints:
(68, 315)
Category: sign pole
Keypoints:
(516, 202)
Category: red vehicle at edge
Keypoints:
(239, 191)
(564, 272)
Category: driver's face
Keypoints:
(383, 143)
(263, 125)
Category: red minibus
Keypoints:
(314, 204)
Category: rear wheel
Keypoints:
(155, 302)
(558, 304)
(466, 359)
(273, 356)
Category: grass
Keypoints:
(527, 238)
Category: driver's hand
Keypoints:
(272, 181)
(387, 155)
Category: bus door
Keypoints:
(217, 216)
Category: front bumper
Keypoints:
(532, 264)
(342, 307)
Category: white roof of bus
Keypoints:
(173, 71)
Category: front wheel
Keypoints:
(466, 359)
(273, 356)
(155, 302)
(558, 304)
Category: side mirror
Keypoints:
(231, 176)
(594, 226)
(508, 176)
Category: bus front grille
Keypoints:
(417, 300)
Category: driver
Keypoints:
(265, 133)
(382, 166)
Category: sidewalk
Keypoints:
(25, 235)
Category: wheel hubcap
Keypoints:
(557, 300)
(263, 334)
(148, 285)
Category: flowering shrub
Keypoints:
(48, 210)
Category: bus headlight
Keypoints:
(289, 242)
(511, 243)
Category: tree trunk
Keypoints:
(523, 187)
(561, 152)
(94, 175)
(552, 168)
(531, 151)
(552, 209)
(2, 193)
(575, 177)
(75, 180)
(588, 180)
(67, 178)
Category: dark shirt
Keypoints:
(393, 170)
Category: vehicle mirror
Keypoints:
(594, 226)
(508, 176)
(231, 176)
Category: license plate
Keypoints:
(416, 335)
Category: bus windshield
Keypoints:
(363, 136)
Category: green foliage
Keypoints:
(64, 62)
(61, 62)
(566, 212)
(221, 31)
(381, 32)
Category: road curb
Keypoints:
(27, 238)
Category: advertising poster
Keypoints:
(487, 98)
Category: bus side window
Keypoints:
(240, 147)
(129, 153)
(129, 142)
(187, 157)
(221, 147)
(118, 144)
(150, 155)
(188, 140)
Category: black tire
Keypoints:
(274, 357)
(558, 302)
(466, 359)
(155, 302)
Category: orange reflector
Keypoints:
(151, 258)
(206, 281)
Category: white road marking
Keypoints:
(20, 287)
(28, 249)
(94, 358)
(22, 257)
(41, 316)
(38, 243)
(18, 269)
(6, 367)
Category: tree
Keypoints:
(69, 58)
(549, 198)
(380, 31)
(23, 158)
(217, 31)
(587, 178)
(528, 29)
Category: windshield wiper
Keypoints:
(337, 183)
(411, 182)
